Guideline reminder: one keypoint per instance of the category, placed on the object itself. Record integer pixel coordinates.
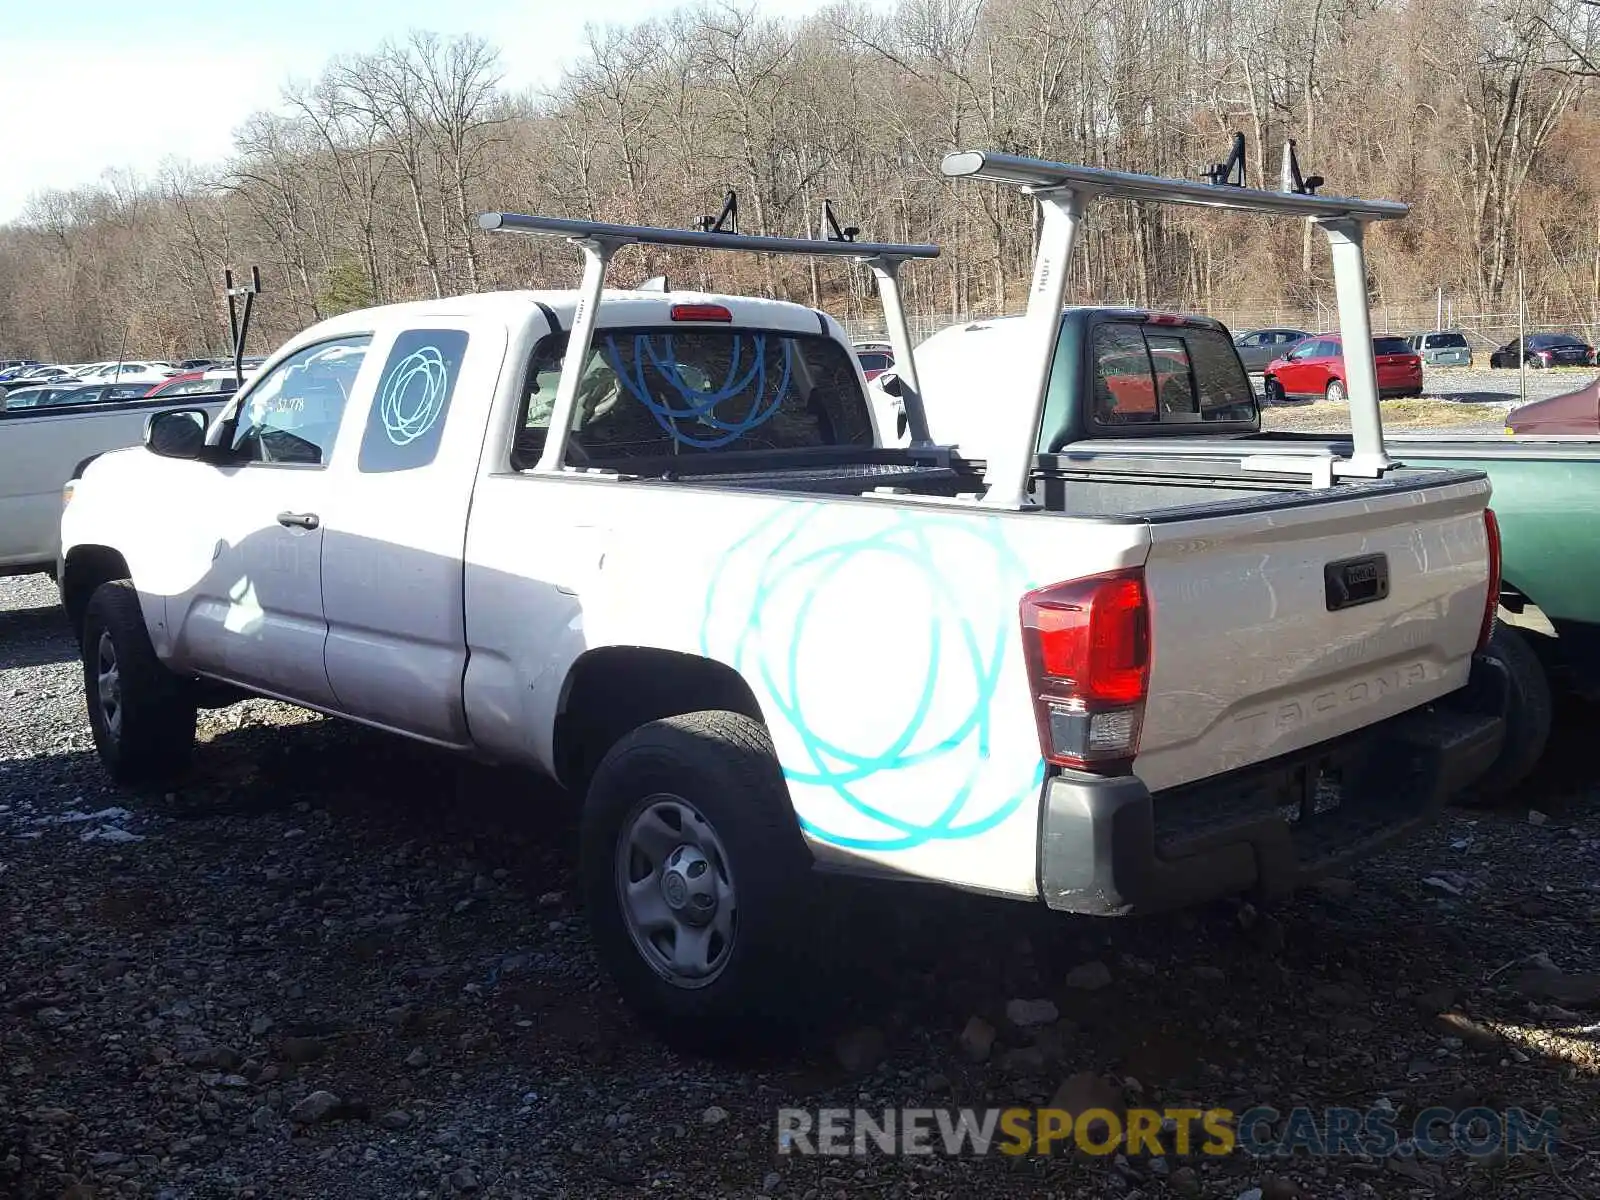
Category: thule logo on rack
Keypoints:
(1291, 714)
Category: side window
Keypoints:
(1252, 340)
(1124, 390)
(292, 415)
(412, 400)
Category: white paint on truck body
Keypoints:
(450, 600)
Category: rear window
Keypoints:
(1446, 341)
(875, 362)
(1390, 345)
(650, 394)
(1158, 375)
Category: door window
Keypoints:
(412, 400)
(292, 415)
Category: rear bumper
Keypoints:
(1109, 848)
(1399, 391)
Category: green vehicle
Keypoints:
(1127, 385)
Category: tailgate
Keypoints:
(1282, 623)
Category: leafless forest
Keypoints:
(363, 185)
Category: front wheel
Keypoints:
(141, 714)
(694, 876)
(1274, 392)
(1335, 391)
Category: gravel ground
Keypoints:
(1478, 400)
(335, 965)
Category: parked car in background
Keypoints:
(875, 358)
(1258, 347)
(1545, 350)
(194, 383)
(199, 364)
(70, 392)
(1315, 369)
(33, 396)
(1574, 413)
(1442, 348)
(130, 372)
(47, 375)
(48, 435)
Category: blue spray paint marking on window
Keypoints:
(983, 642)
(411, 404)
(699, 405)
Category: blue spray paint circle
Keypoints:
(413, 395)
(759, 617)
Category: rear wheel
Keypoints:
(695, 876)
(1335, 391)
(1528, 719)
(141, 714)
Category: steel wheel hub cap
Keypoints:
(109, 680)
(676, 891)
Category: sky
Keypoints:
(89, 85)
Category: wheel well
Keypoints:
(87, 568)
(613, 690)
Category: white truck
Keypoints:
(652, 545)
(42, 451)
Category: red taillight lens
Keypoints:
(1491, 602)
(1087, 646)
(700, 312)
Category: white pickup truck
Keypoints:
(677, 570)
(42, 450)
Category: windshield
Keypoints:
(646, 393)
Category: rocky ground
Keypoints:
(334, 965)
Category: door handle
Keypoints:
(303, 520)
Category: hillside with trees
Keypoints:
(363, 184)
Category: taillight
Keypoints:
(1491, 603)
(700, 312)
(1087, 646)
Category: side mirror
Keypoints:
(890, 383)
(180, 433)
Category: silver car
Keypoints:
(1441, 348)
(1259, 347)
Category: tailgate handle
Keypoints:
(1353, 581)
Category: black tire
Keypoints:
(1274, 392)
(1533, 363)
(1334, 393)
(722, 766)
(1528, 720)
(145, 734)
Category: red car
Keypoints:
(1314, 369)
(171, 387)
(1572, 413)
(875, 358)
